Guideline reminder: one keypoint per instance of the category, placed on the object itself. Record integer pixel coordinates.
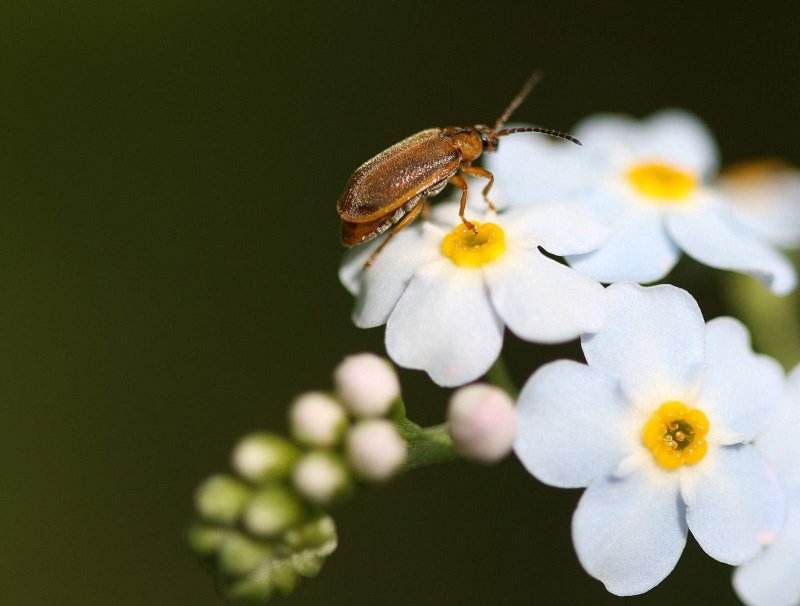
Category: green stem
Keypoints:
(498, 375)
(426, 445)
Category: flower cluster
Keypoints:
(673, 425)
(267, 525)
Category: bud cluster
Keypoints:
(266, 525)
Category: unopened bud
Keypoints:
(321, 477)
(221, 499)
(272, 510)
(206, 540)
(367, 384)
(240, 554)
(482, 422)
(375, 450)
(264, 456)
(317, 419)
(319, 533)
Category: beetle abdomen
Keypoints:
(360, 233)
(405, 171)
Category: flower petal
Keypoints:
(741, 389)
(630, 532)
(735, 503)
(532, 168)
(561, 228)
(653, 341)
(771, 579)
(779, 441)
(637, 249)
(678, 137)
(384, 281)
(571, 419)
(445, 325)
(542, 300)
(708, 232)
(353, 264)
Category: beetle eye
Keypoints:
(495, 143)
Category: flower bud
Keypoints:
(375, 450)
(221, 499)
(321, 476)
(272, 510)
(482, 422)
(240, 554)
(264, 456)
(316, 419)
(319, 533)
(205, 540)
(367, 384)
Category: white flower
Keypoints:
(482, 422)
(658, 428)
(445, 294)
(771, 579)
(765, 195)
(367, 384)
(375, 450)
(648, 180)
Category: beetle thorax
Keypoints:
(468, 141)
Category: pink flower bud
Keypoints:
(482, 422)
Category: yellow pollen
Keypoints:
(675, 435)
(661, 181)
(468, 249)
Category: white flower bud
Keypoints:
(321, 477)
(271, 511)
(221, 499)
(367, 384)
(375, 450)
(317, 419)
(482, 422)
(263, 456)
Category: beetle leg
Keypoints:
(404, 222)
(426, 209)
(461, 183)
(482, 172)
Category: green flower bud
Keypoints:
(273, 510)
(284, 577)
(319, 533)
(256, 586)
(264, 456)
(307, 563)
(239, 555)
(221, 499)
(205, 540)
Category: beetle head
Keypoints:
(488, 137)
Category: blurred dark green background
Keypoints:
(168, 254)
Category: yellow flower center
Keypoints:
(662, 182)
(674, 434)
(468, 249)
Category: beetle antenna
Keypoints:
(532, 81)
(537, 129)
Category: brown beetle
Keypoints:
(393, 187)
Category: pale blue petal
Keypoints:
(638, 248)
(560, 228)
(735, 503)
(678, 138)
(445, 325)
(571, 423)
(542, 300)
(708, 232)
(741, 389)
(772, 578)
(529, 168)
(779, 441)
(630, 532)
(386, 279)
(653, 341)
